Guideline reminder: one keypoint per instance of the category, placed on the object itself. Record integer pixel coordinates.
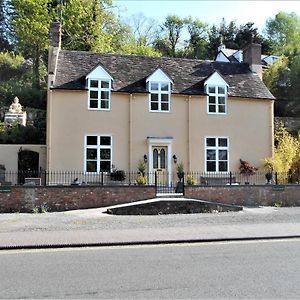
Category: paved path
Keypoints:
(94, 227)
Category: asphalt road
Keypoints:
(257, 269)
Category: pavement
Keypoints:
(93, 227)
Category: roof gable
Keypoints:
(99, 72)
(159, 76)
(215, 79)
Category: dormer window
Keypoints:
(99, 94)
(159, 87)
(216, 99)
(216, 89)
(99, 84)
(160, 96)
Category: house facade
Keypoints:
(108, 110)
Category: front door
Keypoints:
(160, 164)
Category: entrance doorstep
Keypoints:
(169, 195)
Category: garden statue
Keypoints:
(15, 107)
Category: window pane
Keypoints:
(105, 140)
(212, 99)
(91, 140)
(93, 95)
(164, 86)
(223, 155)
(221, 90)
(210, 154)
(162, 159)
(154, 106)
(104, 104)
(221, 108)
(221, 100)
(105, 84)
(91, 153)
(165, 106)
(222, 142)
(211, 89)
(105, 166)
(155, 159)
(93, 103)
(211, 166)
(91, 166)
(154, 97)
(94, 83)
(164, 97)
(105, 95)
(154, 86)
(210, 142)
(223, 166)
(104, 153)
(212, 108)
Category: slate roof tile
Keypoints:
(130, 72)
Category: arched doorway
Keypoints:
(28, 165)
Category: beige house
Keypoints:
(109, 110)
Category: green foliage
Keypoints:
(286, 152)
(11, 66)
(31, 25)
(180, 167)
(142, 180)
(142, 167)
(283, 32)
(18, 134)
(190, 180)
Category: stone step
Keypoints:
(169, 195)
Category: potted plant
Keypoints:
(247, 169)
(180, 171)
(117, 175)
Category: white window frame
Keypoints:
(216, 148)
(159, 92)
(217, 102)
(99, 89)
(98, 147)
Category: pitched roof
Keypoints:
(130, 72)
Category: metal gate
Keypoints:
(169, 183)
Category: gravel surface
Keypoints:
(95, 219)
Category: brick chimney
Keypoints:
(252, 56)
(55, 45)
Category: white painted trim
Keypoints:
(160, 142)
(159, 92)
(159, 76)
(98, 90)
(217, 95)
(100, 73)
(98, 147)
(217, 157)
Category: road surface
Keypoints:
(253, 269)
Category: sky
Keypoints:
(210, 12)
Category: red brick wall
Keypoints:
(25, 199)
(252, 195)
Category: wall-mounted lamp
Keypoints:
(175, 159)
(145, 158)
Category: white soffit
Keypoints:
(221, 57)
(99, 73)
(159, 76)
(215, 79)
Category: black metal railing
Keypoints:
(164, 182)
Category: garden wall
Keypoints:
(61, 198)
(252, 195)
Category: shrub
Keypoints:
(142, 180)
(190, 180)
(117, 175)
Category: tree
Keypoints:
(198, 35)
(286, 153)
(31, 24)
(171, 31)
(4, 27)
(283, 33)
